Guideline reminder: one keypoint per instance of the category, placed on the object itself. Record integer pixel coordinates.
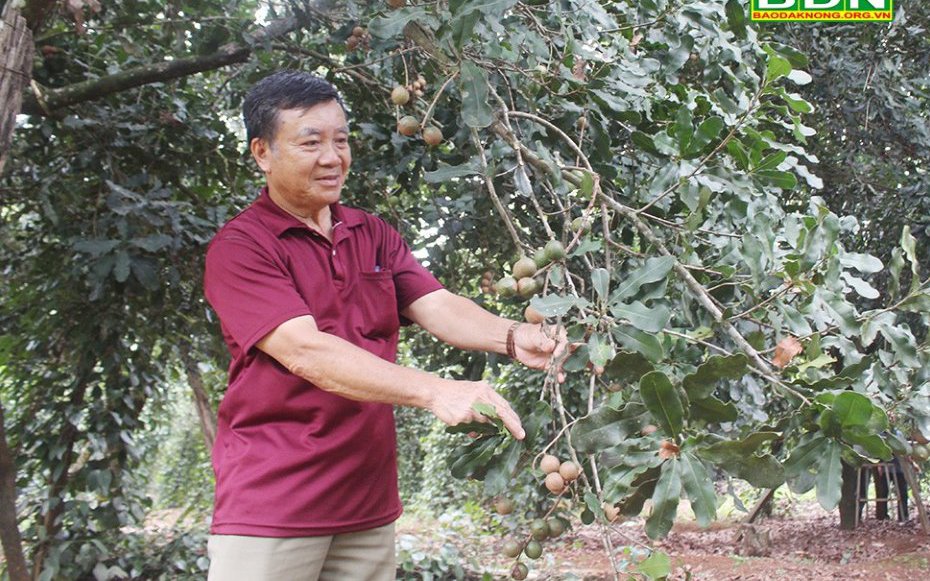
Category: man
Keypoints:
(310, 295)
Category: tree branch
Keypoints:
(228, 54)
(17, 568)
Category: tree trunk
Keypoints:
(16, 50)
(9, 523)
(51, 522)
(201, 399)
(848, 501)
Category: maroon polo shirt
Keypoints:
(292, 459)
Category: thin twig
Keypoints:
(756, 100)
(489, 182)
(429, 110)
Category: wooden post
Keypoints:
(16, 50)
(912, 483)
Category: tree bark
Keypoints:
(51, 522)
(201, 399)
(53, 99)
(849, 504)
(16, 48)
(9, 523)
(35, 12)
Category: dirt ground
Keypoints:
(804, 545)
(797, 549)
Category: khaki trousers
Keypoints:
(362, 556)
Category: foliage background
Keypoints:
(107, 205)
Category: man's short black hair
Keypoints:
(280, 91)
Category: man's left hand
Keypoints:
(538, 346)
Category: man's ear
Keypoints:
(261, 151)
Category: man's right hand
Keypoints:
(454, 404)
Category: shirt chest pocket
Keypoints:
(377, 304)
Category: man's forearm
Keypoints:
(336, 365)
(460, 322)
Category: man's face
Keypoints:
(308, 159)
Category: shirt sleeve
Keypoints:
(250, 289)
(411, 279)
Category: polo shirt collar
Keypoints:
(279, 221)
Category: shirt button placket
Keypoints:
(338, 270)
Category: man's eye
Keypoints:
(310, 144)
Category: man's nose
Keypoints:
(329, 155)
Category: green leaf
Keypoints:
(852, 409)
(799, 77)
(555, 305)
(600, 280)
(487, 7)
(501, 468)
(485, 409)
(797, 104)
(642, 317)
(645, 142)
(653, 270)
(445, 172)
(619, 480)
(776, 68)
(711, 409)
(663, 401)
(707, 131)
(736, 149)
(683, 128)
(587, 185)
(862, 288)
(639, 452)
(830, 476)
(805, 455)
(751, 443)
(473, 86)
(480, 428)
(871, 443)
(909, 246)
(699, 487)
(628, 367)
(600, 351)
(123, 262)
(845, 377)
(658, 565)
(797, 58)
(703, 382)
(918, 303)
(635, 340)
(145, 270)
(95, 248)
(759, 470)
(741, 459)
(664, 501)
(607, 426)
(864, 263)
(781, 179)
(152, 243)
(463, 27)
(903, 343)
(736, 17)
(393, 22)
(771, 161)
(470, 460)
(643, 487)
